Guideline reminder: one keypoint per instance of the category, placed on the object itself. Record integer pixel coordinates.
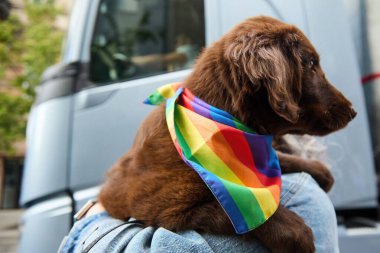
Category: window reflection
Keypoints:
(137, 38)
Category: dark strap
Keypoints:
(92, 244)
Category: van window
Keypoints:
(138, 38)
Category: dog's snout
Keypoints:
(353, 113)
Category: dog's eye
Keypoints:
(312, 63)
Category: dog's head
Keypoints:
(272, 72)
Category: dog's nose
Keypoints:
(353, 113)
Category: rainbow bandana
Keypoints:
(240, 167)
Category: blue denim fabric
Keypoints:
(300, 193)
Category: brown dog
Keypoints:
(265, 73)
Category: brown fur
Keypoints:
(265, 73)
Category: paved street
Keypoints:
(9, 232)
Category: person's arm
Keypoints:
(159, 59)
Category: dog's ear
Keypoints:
(270, 61)
(279, 73)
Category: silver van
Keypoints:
(117, 51)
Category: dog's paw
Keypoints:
(322, 175)
(286, 232)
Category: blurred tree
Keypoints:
(10, 44)
(26, 50)
(42, 44)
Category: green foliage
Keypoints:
(12, 120)
(42, 44)
(33, 46)
(10, 44)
